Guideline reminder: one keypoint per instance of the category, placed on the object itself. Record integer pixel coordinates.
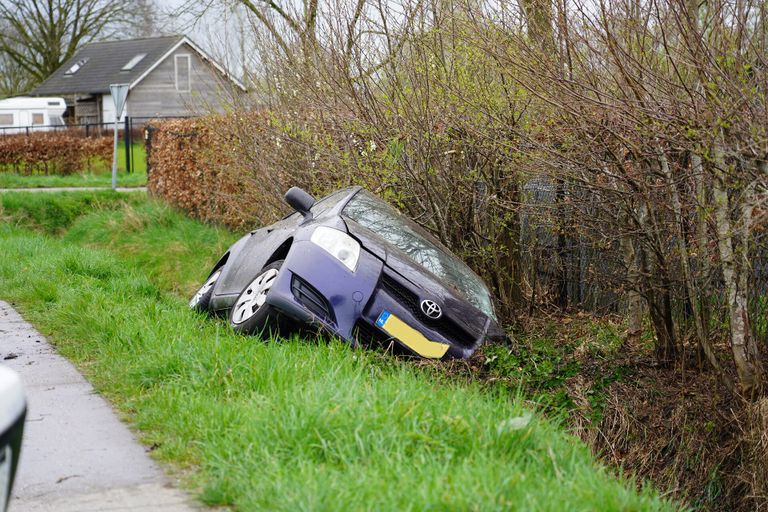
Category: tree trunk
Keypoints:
(682, 246)
(659, 301)
(734, 262)
(634, 299)
(562, 253)
(702, 239)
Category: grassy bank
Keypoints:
(100, 177)
(293, 425)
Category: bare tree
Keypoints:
(42, 34)
(142, 18)
(13, 79)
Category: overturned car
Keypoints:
(355, 267)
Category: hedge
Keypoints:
(234, 169)
(53, 153)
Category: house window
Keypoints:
(6, 119)
(74, 68)
(37, 119)
(183, 79)
(132, 63)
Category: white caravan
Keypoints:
(25, 114)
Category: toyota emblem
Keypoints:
(431, 309)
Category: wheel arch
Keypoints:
(222, 261)
(281, 252)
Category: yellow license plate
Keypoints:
(410, 337)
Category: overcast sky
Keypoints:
(217, 30)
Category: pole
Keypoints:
(127, 141)
(119, 94)
(130, 131)
(114, 160)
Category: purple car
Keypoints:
(355, 267)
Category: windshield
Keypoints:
(374, 214)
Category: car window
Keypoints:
(400, 231)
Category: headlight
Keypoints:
(339, 244)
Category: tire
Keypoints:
(249, 313)
(201, 300)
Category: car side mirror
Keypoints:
(300, 200)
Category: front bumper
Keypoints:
(316, 289)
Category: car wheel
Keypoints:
(250, 314)
(201, 300)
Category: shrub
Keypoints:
(234, 169)
(52, 153)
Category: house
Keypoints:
(167, 76)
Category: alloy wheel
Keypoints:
(253, 297)
(195, 300)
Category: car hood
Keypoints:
(429, 286)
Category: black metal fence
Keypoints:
(575, 272)
(130, 130)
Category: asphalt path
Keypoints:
(76, 456)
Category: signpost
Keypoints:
(119, 95)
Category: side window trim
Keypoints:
(176, 59)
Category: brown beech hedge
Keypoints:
(234, 169)
(53, 153)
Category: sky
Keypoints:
(217, 30)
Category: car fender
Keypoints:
(246, 261)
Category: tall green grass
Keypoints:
(284, 425)
(55, 213)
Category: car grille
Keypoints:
(311, 299)
(444, 325)
(400, 293)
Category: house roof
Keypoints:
(103, 63)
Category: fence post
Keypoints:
(127, 142)
(148, 146)
(130, 130)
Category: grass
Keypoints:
(283, 425)
(138, 157)
(102, 177)
(550, 352)
(56, 213)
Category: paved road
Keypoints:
(76, 455)
(72, 189)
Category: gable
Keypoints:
(184, 47)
